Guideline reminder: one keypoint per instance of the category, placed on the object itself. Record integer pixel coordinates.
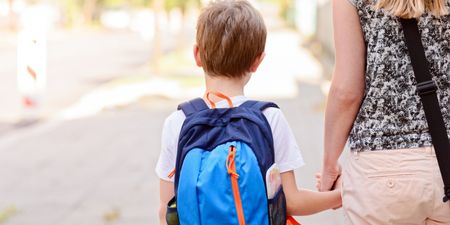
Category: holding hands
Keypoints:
(329, 180)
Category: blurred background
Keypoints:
(85, 86)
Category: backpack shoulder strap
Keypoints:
(193, 106)
(259, 105)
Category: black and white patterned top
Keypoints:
(391, 115)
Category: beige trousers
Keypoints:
(398, 187)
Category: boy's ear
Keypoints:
(197, 57)
(257, 62)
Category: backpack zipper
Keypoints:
(231, 167)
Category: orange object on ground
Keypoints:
(292, 221)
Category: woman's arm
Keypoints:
(347, 87)
(306, 202)
(166, 193)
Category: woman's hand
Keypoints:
(337, 183)
(328, 178)
(336, 187)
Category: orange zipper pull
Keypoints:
(231, 164)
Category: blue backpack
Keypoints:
(222, 161)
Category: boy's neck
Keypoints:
(230, 87)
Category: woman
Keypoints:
(392, 177)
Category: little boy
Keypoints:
(231, 38)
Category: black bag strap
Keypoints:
(426, 88)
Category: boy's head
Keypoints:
(231, 38)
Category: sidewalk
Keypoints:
(8, 40)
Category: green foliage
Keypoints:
(168, 4)
(141, 2)
(72, 10)
(112, 3)
(181, 4)
(118, 3)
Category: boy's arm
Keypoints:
(166, 193)
(305, 202)
(166, 162)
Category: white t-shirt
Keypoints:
(287, 153)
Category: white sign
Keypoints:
(32, 66)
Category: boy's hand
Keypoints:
(318, 181)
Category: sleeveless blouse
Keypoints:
(391, 115)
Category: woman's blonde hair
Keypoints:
(413, 8)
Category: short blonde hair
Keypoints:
(414, 8)
(231, 35)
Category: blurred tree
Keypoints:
(80, 12)
(11, 16)
(10, 6)
(285, 7)
(70, 10)
(157, 49)
(113, 3)
(141, 2)
(91, 10)
(167, 6)
(121, 3)
(183, 6)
